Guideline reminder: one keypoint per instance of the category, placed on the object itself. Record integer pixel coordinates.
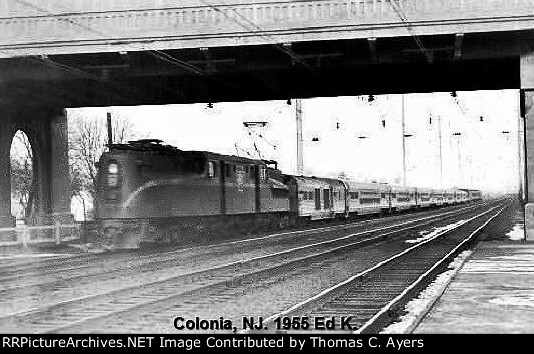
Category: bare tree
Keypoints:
(22, 177)
(87, 142)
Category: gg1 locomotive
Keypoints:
(148, 192)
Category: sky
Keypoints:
(356, 137)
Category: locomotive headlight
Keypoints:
(113, 168)
(113, 175)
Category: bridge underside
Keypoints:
(304, 69)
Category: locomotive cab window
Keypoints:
(195, 165)
(279, 193)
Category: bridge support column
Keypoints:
(6, 220)
(527, 113)
(53, 203)
(60, 182)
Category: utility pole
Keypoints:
(403, 143)
(440, 154)
(300, 157)
(458, 135)
(459, 162)
(110, 130)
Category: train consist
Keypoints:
(150, 192)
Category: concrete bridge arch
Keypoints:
(46, 129)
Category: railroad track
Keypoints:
(62, 277)
(216, 283)
(82, 262)
(373, 298)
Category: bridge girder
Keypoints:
(319, 68)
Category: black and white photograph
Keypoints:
(265, 174)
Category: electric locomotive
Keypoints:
(150, 192)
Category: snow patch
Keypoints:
(517, 233)
(523, 300)
(425, 235)
(522, 263)
(529, 257)
(419, 306)
(30, 255)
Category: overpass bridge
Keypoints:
(56, 54)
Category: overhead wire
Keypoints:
(83, 73)
(156, 53)
(61, 66)
(244, 23)
(255, 29)
(250, 131)
(409, 27)
(237, 149)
